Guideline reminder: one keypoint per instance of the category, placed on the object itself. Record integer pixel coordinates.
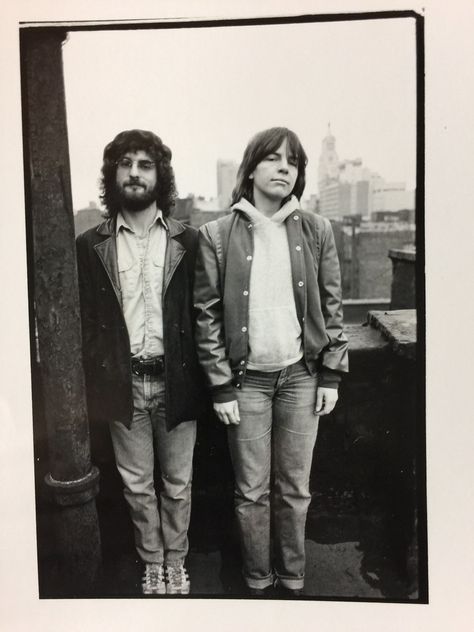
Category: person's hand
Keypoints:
(228, 412)
(326, 399)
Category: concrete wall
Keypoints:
(363, 253)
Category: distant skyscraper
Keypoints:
(226, 176)
(328, 177)
(349, 188)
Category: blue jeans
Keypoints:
(272, 451)
(160, 525)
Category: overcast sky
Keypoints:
(207, 91)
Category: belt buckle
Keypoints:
(136, 366)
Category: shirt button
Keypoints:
(249, 257)
(102, 289)
(244, 329)
(241, 372)
(242, 362)
(300, 283)
(295, 217)
(245, 293)
(298, 248)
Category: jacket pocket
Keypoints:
(129, 275)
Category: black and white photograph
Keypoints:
(226, 255)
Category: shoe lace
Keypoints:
(153, 576)
(177, 575)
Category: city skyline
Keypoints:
(359, 76)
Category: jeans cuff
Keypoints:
(260, 582)
(293, 583)
(151, 559)
(174, 561)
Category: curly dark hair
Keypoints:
(130, 141)
(260, 146)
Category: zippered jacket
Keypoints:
(221, 298)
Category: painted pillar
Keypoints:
(72, 479)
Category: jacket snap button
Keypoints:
(300, 283)
(295, 217)
(244, 329)
(102, 289)
(249, 257)
(242, 362)
(103, 327)
(245, 293)
(298, 248)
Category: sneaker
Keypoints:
(261, 592)
(177, 580)
(153, 580)
(289, 593)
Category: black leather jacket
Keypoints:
(106, 345)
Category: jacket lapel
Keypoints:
(174, 251)
(107, 252)
(298, 270)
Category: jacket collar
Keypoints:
(107, 251)
(107, 228)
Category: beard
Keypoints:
(135, 199)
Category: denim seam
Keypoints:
(255, 438)
(301, 434)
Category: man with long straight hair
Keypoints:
(271, 342)
(142, 375)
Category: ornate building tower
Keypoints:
(328, 176)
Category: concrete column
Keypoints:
(403, 277)
(72, 479)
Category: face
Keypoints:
(136, 180)
(275, 176)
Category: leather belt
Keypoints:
(148, 366)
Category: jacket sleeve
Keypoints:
(208, 305)
(335, 354)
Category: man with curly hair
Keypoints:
(142, 375)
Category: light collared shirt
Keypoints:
(141, 262)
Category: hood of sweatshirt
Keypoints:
(256, 216)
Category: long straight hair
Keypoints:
(260, 146)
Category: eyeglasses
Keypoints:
(142, 165)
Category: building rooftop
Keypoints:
(380, 227)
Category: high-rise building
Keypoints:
(328, 177)
(226, 177)
(347, 187)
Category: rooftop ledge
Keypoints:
(395, 329)
(399, 328)
(408, 253)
